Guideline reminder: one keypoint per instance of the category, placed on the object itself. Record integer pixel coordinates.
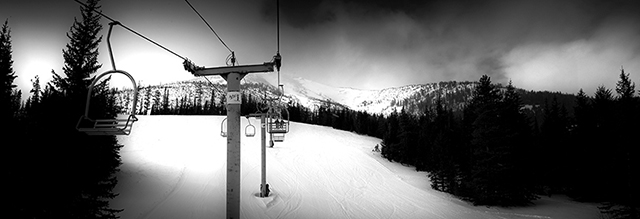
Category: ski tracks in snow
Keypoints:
(317, 172)
(177, 185)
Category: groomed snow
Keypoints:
(174, 167)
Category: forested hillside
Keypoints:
(487, 143)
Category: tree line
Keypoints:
(494, 153)
(52, 170)
(156, 99)
(491, 153)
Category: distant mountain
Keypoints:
(413, 98)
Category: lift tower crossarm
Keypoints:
(241, 69)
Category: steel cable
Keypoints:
(134, 32)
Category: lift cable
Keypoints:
(278, 25)
(134, 32)
(277, 58)
(212, 30)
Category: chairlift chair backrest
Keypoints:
(279, 124)
(117, 126)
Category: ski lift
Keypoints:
(278, 127)
(250, 130)
(223, 128)
(278, 124)
(117, 126)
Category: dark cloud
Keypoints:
(459, 39)
(299, 14)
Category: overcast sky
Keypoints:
(557, 45)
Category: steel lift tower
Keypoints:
(233, 75)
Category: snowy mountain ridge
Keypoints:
(411, 97)
(310, 94)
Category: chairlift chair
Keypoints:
(249, 130)
(117, 126)
(279, 124)
(278, 127)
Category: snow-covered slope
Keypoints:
(174, 167)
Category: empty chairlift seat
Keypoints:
(121, 125)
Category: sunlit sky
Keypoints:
(366, 44)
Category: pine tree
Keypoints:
(390, 139)
(517, 137)
(8, 107)
(603, 113)
(498, 130)
(165, 101)
(583, 136)
(583, 116)
(81, 53)
(141, 99)
(36, 91)
(624, 87)
(425, 163)
(555, 146)
(444, 170)
(74, 177)
(407, 134)
(157, 97)
(147, 100)
(623, 163)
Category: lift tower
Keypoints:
(233, 75)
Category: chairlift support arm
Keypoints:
(240, 69)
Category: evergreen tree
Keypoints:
(407, 135)
(8, 107)
(623, 162)
(583, 135)
(147, 100)
(141, 101)
(600, 141)
(517, 137)
(81, 53)
(444, 150)
(157, 97)
(624, 87)
(425, 163)
(71, 173)
(498, 129)
(165, 101)
(390, 139)
(36, 91)
(555, 147)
